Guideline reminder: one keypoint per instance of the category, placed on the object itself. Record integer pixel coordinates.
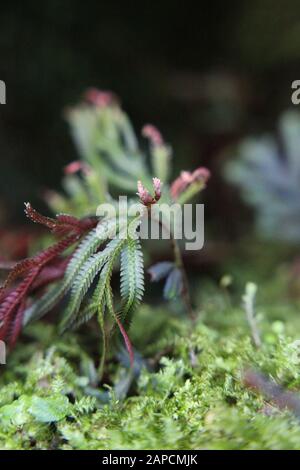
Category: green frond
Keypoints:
(123, 181)
(84, 250)
(86, 276)
(76, 190)
(44, 304)
(96, 303)
(99, 300)
(84, 315)
(132, 276)
(160, 156)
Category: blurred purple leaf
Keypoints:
(160, 270)
(174, 284)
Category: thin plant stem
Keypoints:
(180, 265)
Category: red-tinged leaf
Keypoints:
(38, 260)
(7, 265)
(88, 223)
(19, 268)
(126, 341)
(16, 325)
(12, 301)
(46, 264)
(54, 250)
(50, 274)
(67, 223)
(65, 219)
(38, 218)
(63, 223)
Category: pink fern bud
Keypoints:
(157, 184)
(180, 183)
(186, 178)
(202, 174)
(152, 133)
(144, 194)
(99, 98)
(75, 167)
(141, 190)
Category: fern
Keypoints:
(267, 173)
(110, 158)
(87, 273)
(132, 276)
(48, 301)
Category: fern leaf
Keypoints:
(87, 247)
(18, 269)
(96, 303)
(132, 276)
(38, 218)
(87, 274)
(12, 308)
(84, 315)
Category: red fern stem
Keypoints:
(38, 218)
(12, 301)
(38, 260)
(127, 341)
(50, 274)
(16, 324)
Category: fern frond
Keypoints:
(84, 315)
(43, 305)
(97, 302)
(87, 274)
(39, 260)
(38, 218)
(12, 306)
(85, 249)
(132, 276)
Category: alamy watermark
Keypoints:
(160, 221)
(2, 92)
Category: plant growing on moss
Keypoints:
(110, 160)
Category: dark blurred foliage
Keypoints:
(205, 76)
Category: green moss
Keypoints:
(191, 395)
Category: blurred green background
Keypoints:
(206, 77)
